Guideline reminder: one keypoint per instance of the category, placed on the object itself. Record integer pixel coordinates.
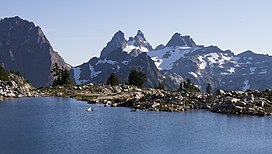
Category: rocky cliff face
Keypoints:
(119, 56)
(24, 48)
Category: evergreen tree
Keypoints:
(188, 85)
(65, 76)
(181, 86)
(61, 76)
(137, 78)
(209, 88)
(4, 75)
(112, 79)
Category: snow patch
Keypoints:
(236, 59)
(166, 57)
(125, 62)
(248, 62)
(247, 85)
(217, 58)
(157, 62)
(77, 72)
(224, 73)
(202, 64)
(264, 71)
(213, 58)
(131, 46)
(252, 70)
(229, 71)
(193, 74)
(93, 72)
(104, 61)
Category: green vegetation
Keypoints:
(188, 85)
(4, 75)
(112, 80)
(137, 78)
(61, 76)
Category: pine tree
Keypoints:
(181, 86)
(65, 76)
(209, 88)
(61, 76)
(137, 78)
(4, 75)
(188, 85)
(112, 79)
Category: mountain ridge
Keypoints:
(182, 58)
(25, 48)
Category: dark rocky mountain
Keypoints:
(24, 48)
(178, 40)
(222, 69)
(180, 59)
(119, 56)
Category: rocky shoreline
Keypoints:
(16, 87)
(234, 102)
(252, 102)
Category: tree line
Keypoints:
(137, 78)
(61, 76)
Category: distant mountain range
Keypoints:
(179, 59)
(24, 48)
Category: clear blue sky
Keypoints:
(79, 30)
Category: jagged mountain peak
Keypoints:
(247, 53)
(119, 34)
(140, 37)
(118, 41)
(140, 33)
(183, 41)
(140, 41)
(159, 47)
(133, 43)
(130, 39)
(180, 59)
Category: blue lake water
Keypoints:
(62, 125)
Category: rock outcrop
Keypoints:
(232, 102)
(15, 87)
